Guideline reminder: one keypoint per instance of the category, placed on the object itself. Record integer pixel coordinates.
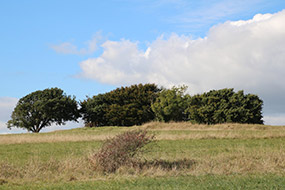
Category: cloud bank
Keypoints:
(245, 54)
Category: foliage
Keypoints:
(121, 150)
(170, 105)
(94, 109)
(125, 106)
(139, 104)
(40, 109)
(225, 106)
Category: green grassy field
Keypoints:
(227, 156)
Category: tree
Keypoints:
(125, 106)
(40, 109)
(170, 105)
(225, 106)
(94, 110)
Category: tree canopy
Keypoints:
(138, 104)
(171, 104)
(135, 105)
(225, 106)
(123, 106)
(40, 109)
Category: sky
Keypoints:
(89, 47)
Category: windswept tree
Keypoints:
(123, 106)
(41, 109)
(225, 106)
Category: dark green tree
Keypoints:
(225, 106)
(94, 110)
(40, 109)
(171, 104)
(123, 106)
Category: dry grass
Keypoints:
(186, 130)
(221, 135)
(50, 171)
(194, 127)
(163, 131)
(243, 162)
(240, 162)
(244, 159)
(51, 138)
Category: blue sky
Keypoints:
(90, 47)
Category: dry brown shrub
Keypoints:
(120, 150)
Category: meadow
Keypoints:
(223, 156)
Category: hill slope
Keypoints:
(222, 155)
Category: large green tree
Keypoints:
(40, 109)
(171, 104)
(123, 106)
(225, 106)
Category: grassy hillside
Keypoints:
(227, 156)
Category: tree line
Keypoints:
(135, 105)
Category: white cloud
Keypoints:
(7, 105)
(68, 125)
(2, 127)
(256, 18)
(127, 63)
(5, 130)
(247, 55)
(69, 48)
(277, 119)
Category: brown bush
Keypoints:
(121, 150)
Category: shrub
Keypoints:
(121, 150)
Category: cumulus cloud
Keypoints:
(245, 54)
(69, 48)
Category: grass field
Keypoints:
(226, 156)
